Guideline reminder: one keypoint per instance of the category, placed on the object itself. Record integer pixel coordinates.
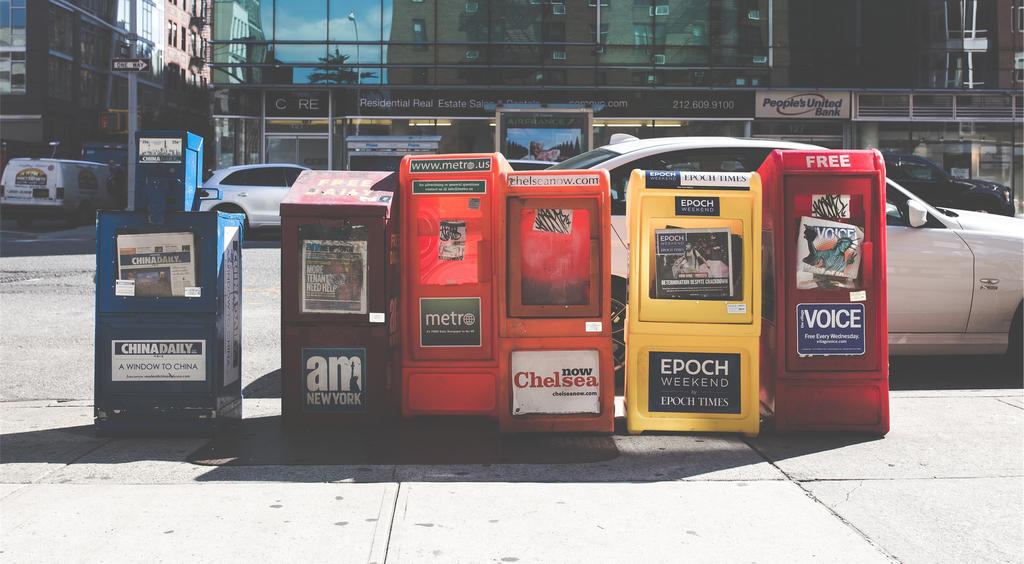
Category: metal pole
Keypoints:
(133, 105)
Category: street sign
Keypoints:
(129, 65)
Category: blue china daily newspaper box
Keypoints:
(168, 304)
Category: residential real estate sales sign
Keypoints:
(663, 103)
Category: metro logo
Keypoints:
(450, 322)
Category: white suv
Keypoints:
(253, 190)
(956, 278)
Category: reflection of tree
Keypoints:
(333, 71)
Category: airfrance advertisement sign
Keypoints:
(683, 382)
(555, 382)
(450, 322)
(333, 380)
(171, 360)
(830, 329)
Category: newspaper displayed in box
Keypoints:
(693, 264)
(334, 276)
(828, 254)
(451, 243)
(160, 264)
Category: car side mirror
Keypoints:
(917, 213)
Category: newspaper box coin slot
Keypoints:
(825, 341)
(339, 285)
(168, 322)
(693, 317)
(448, 287)
(555, 360)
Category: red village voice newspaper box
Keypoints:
(339, 297)
(449, 340)
(554, 319)
(824, 348)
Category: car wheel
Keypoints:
(620, 295)
(231, 208)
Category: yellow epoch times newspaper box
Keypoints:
(693, 323)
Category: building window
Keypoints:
(60, 78)
(60, 30)
(419, 33)
(12, 72)
(12, 23)
(146, 21)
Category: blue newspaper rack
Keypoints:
(168, 356)
(168, 302)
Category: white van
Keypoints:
(55, 189)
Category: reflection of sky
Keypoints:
(549, 137)
(307, 21)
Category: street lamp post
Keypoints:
(359, 75)
(355, 25)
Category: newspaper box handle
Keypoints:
(867, 265)
(483, 261)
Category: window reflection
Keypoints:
(514, 42)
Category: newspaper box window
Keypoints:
(334, 269)
(697, 263)
(156, 265)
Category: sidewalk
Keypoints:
(944, 486)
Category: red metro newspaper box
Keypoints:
(824, 347)
(449, 342)
(339, 297)
(554, 313)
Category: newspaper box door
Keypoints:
(831, 233)
(554, 257)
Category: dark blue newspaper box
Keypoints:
(168, 315)
(168, 170)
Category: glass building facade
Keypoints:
(298, 80)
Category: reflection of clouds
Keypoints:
(550, 137)
(313, 27)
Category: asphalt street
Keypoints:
(946, 484)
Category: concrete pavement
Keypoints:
(946, 485)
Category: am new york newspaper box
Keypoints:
(449, 314)
(825, 354)
(694, 314)
(339, 297)
(555, 356)
(168, 310)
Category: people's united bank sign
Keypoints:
(795, 104)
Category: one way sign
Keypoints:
(129, 65)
